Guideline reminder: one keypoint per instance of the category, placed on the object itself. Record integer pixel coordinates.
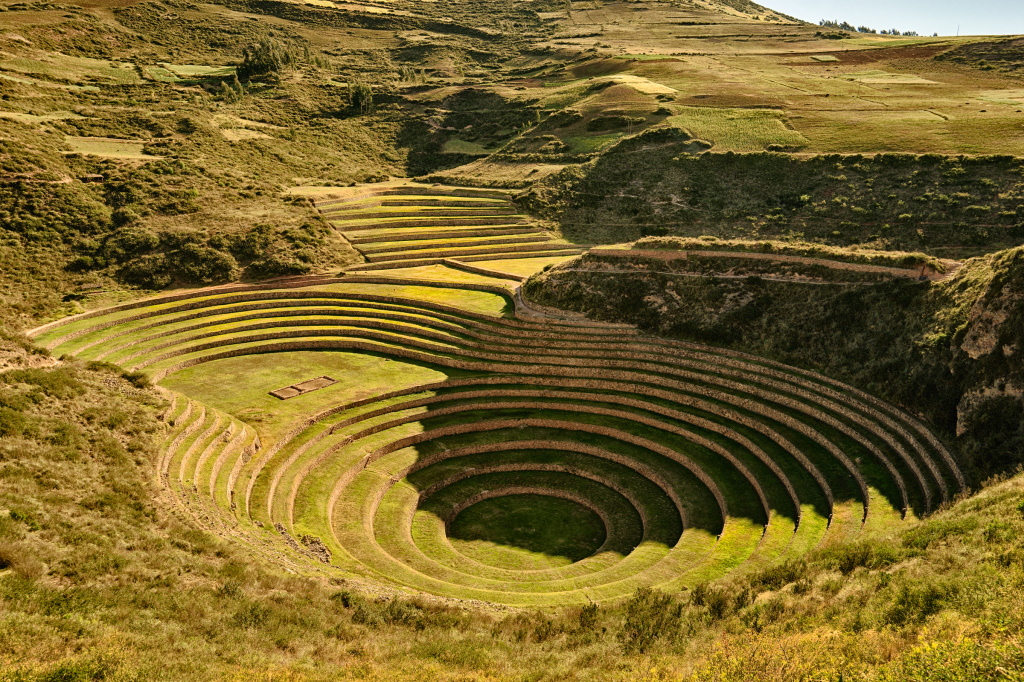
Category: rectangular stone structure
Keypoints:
(307, 386)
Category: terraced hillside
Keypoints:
(680, 463)
(399, 225)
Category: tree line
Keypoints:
(845, 26)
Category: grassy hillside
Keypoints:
(653, 184)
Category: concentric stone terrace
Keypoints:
(458, 413)
(399, 225)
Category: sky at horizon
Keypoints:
(981, 17)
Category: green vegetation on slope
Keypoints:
(652, 185)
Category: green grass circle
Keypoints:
(526, 532)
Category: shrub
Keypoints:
(935, 531)
(137, 379)
(19, 402)
(204, 264)
(996, 430)
(252, 615)
(12, 423)
(254, 243)
(277, 265)
(715, 600)
(367, 614)
(130, 242)
(187, 125)
(872, 555)
(393, 612)
(997, 532)
(231, 589)
(650, 615)
(586, 617)
(778, 576)
(763, 615)
(914, 604)
(56, 383)
(125, 215)
(22, 517)
(264, 59)
(150, 272)
(600, 123)
(65, 433)
(344, 597)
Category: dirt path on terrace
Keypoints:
(669, 255)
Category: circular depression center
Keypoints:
(527, 531)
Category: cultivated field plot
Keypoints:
(111, 148)
(743, 81)
(738, 129)
(474, 448)
(401, 225)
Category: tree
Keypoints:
(231, 92)
(360, 97)
(267, 58)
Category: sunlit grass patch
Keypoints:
(740, 130)
(199, 70)
(109, 147)
(457, 146)
(591, 143)
(884, 77)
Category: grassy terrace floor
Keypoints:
(679, 463)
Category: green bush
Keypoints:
(600, 123)
(764, 614)
(12, 423)
(150, 272)
(360, 97)
(775, 577)
(252, 615)
(913, 604)
(22, 517)
(204, 265)
(997, 425)
(137, 379)
(57, 383)
(716, 600)
(277, 265)
(935, 531)
(264, 59)
(254, 243)
(649, 616)
(867, 554)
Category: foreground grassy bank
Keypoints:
(99, 580)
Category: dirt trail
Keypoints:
(922, 272)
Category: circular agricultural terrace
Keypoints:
(501, 457)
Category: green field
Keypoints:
(738, 130)
(527, 529)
